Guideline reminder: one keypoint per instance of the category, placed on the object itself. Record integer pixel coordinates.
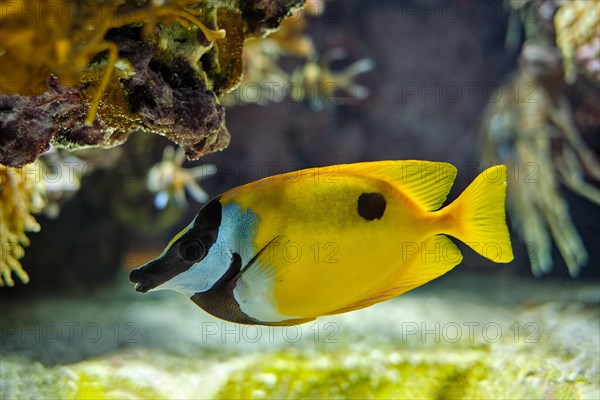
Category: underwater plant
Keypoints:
(21, 194)
(535, 133)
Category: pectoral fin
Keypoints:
(254, 290)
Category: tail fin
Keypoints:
(480, 219)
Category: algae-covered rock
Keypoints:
(29, 124)
(97, 72)
(264, 16)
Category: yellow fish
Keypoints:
(289, 248)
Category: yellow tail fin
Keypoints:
(479, 216)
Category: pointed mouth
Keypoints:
(142, 284)
(156, 272)
(140, 288)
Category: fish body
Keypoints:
(290, 248)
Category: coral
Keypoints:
(571, 25)
(21, 194)
(169, 180)
(29, 124)
(170, 99)
(535, 135)
(577, 24)
(64, 37)
(91, 73)
(42, 187)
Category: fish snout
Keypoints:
(142, 283)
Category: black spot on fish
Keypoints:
(371, 206)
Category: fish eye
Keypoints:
(191, 250)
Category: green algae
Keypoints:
(102, 386)
(348, 375)
(293, 373)
(88, 388)
(378, 375)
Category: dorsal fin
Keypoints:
(427, 183)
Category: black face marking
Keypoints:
(371, 206)
(189, 249)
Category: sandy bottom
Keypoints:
(462, 336)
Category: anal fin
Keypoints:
(430, 260)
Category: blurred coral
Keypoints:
(319, 84)
(291, 36)
(532, 129)
(577, 25)
(62, 172)
(170, 180)
(265, 81)
(263, 17)
(21, 194)
(88, 73)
